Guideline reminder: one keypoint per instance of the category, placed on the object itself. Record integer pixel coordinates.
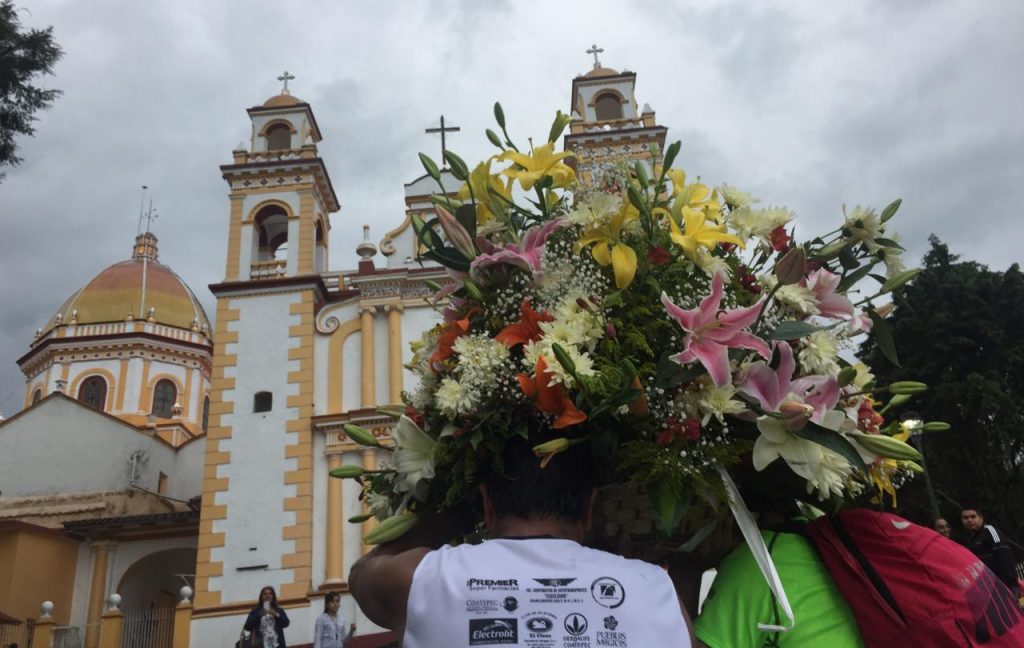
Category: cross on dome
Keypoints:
(444, 129)
(595, 50)
(285, 78)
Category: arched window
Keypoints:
(271, 224)
(93, 392)
(37, 396)
(608, 106)
(279, 137)
(164, 396)
(262, 402)
(206, 413)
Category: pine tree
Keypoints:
(24, 54)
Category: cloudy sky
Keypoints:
(803, 103)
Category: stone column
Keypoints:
(42, 634)
(335, 567)
(183, 619)
(367, 361)
(97, 592)
(394, 353)
(369, 463)
(112, 624)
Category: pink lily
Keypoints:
(711, 332)
(823, 284)
(525, 255)
(776, 390)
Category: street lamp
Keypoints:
(915, 426)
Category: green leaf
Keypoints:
(459, 168)
(624, 397)
(466, 215)
(670, 506)
(430, 166)
(850, 280)
(847, 259)
(832, 440)
(671, 374)
(890, 210)
(793, 329)
(613, 299)
(449, 257)
(890, 243)
(883, 335)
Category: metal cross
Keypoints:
(286, 78)
(595, 50)
(443, 130)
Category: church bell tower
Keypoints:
(257, 505)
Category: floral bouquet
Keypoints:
(676, 328)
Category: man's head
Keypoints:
(942, 526)
(972, 519)
(519, 488)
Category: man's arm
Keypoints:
(380, 581)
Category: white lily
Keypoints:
(414, 458)
(825, 471)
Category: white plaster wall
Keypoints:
(133, 389)
(186, 479)
(255, 514)
(351, 372)
(126, 554)
(294, 243)
(320, 364)
(176, 371)
(259, 143)
(248, 248)
(82, 451)
(85, 367)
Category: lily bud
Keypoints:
(832, 249)
(795, 415)
(936, 426)
(472, 290)
(898, 400)
(847, 375)
(390, 529)
(433, 285)
(885, 446)
(347, 472)
(549, 449)
(359, 519)
(563, 359)
(792, 267)
(900, 279)
(907, 387)
(456, 233)
(914, 467)
(360, 435)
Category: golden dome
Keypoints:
(282, 100)
(117, 292)
(601, 72)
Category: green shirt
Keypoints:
(740, 599)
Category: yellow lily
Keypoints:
(543, 161)
(609, 248)
(484, 184)
(699, 233)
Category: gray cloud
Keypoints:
(803, 104)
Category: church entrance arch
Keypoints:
(154, 580)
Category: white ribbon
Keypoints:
(762, 556)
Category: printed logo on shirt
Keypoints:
(540, 623)
(490, 632)
(481, 606)
(575, 624)
(554, 582)
(477, 584)
(612, 639)
(510, 603)
(610, 622)
(608, 592)
(538, 630)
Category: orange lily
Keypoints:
(550, 399)
(447, 339)
(527, 329)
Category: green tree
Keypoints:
(960, 328)
(24, 54)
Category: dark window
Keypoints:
(206, 413)
(608, 106)
(37, 396)
(93, 392)
(262, 402)
(164, 396)
(279, 137)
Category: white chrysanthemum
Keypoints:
(717, 401)
(734, 197)
(598, 209)
(379, 505)
(711, 264)
(749, 222)
(798, 297)
(585, 321)
(423, 395)
(818, 353)
(564, 332)
(864, 225)
(542, 348)
(454, 398)
(479, 357)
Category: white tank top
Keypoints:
(540, 593)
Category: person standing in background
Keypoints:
(329, 631)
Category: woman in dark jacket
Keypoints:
(266, 621)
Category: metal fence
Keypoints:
(148, 628)
(68, 637)
(18, 634)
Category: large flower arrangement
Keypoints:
(674, 327)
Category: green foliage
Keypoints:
(23, 55)
(960, 329)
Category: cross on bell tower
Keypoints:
(443, 130)
(595, 50)
(285, 78)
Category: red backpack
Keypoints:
(909, 586)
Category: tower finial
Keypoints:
(285, 78)
(444, 129)
(595, 50)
